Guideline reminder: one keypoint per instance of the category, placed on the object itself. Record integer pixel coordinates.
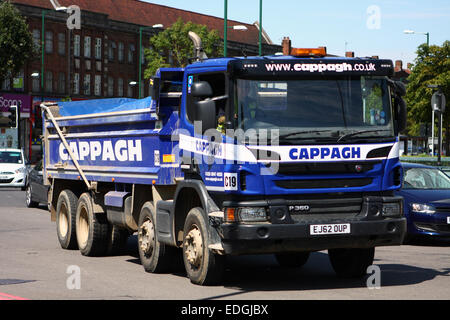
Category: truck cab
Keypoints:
(292, 154)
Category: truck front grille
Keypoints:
(323, 183)
(325, 209)
(289, 169)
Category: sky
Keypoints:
(369, 28)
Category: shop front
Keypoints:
(17, 137)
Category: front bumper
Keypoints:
(269, 238)
(368, 228)
(13, 181)
(435, 225)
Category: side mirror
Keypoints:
(201, 89)
(400, 106)
(206, 113)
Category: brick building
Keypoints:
(104, 58)
(101, 59)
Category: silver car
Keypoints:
(13, 170)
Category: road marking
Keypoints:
(5, 296)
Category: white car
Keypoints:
(13, 170)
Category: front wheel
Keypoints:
(351, 263)
(202, 266)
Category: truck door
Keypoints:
(219, 87)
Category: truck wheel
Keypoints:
(155, 257)
(203, 267)
(117, 240)
(29, 199)
(66, 210)
(292, 259)
(351, 263)
(92, 228)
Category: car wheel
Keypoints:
(29, 198)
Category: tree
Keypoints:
(16, 42)
(174, 41)
(432, 67)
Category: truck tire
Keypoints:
(92, 228)
(66, 210)
(203, 266)
(117, 240)
(351, 263)
(155, 257)
(29, 198)
(292, 259)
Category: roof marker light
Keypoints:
(306, 52)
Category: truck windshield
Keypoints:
(343, 108)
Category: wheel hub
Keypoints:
(63, 221)
(194, 247)
(147, 237)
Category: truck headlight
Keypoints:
(422, 208)
(391, 209)
(250, 214)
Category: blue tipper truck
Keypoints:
(248, 155)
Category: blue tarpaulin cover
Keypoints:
(76, 108)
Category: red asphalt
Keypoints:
(5, 296)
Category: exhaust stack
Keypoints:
(199, 54)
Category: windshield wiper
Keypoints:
(348, 135)
(284, 136)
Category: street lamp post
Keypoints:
(42, 49)
(432, 113)
(238, 27)
(260, 27)
(140, 55)
(225, 28)
(424, 33)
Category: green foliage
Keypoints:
(175, 40)
(432, 67)
(16, 42)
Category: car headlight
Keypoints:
(422, 208)
(21, 170)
